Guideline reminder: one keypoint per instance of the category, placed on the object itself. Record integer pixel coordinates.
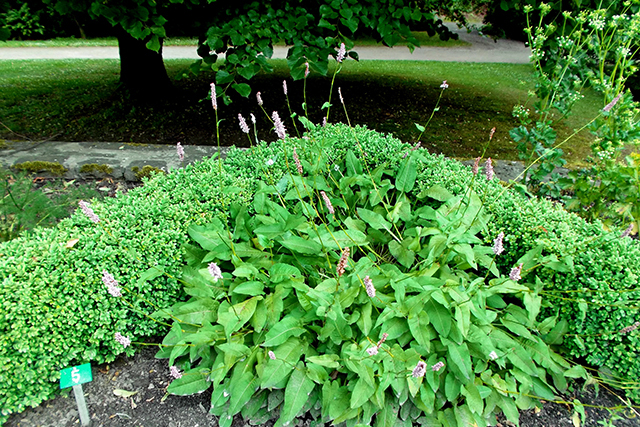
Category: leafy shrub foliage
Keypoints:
(358, 300)
(56, 311)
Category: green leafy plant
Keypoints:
(338, 292)
(24, 207)
(22, 23)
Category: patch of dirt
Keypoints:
(150, 406)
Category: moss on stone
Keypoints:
(146, 171)
(54, 168)
(96, 168)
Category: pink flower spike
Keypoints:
(515, 273)
(437, 367)
(476, 165)
(253, 118)
(327, 202)
(497, 244)
(444, 85)
(372, 351)
(296, 159)
(419, 370)
(488, 169)
(342, 264)
(493, 130)
(610, 105)
(340, 94)
(629, 328)
(626, 232)
(88, 211)
(306, 70)
(124, 341)
(175, 372)
(493, 355)
(272, 355)
(368, 285)
(284, 86)
(180, 151)
(324, 121)
(279, 126)
(383, 339)
(243, 124)
(341, 53)
(111, 283)
(259, 98)
(214, 98)
(214, 270)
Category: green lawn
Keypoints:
(78, 100)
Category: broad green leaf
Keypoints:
(326, 360)
(341, 239)
(354, 167)
(196, 311)
(406, 177)
(439, 316)
(234, 317)
(459, 357)
(474, 400)
(276, 372)
(209, 236)
(287, 327)
(280, 272)
(241, 390)
(404, 256)
(375, 220)
(296, 394)
(419, 327)
(517, 329)
(361, 393)
(387, 416)
(252, 288)
(242, 88)
(191, 382)
(300, 245)
(436, 192)
(364, 322)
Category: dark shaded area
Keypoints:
(387, 104)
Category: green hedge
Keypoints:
(56, 310)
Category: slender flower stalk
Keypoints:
(124, 341)
(180, 151)
(111, 283)
(88, 211)
(419, 370)
(342, 264)
(327, 202)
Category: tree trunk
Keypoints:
(142, 71)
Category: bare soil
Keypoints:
(150, 406)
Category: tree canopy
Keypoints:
(244, 32)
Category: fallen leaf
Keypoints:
(71, 243)
(123, 393)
